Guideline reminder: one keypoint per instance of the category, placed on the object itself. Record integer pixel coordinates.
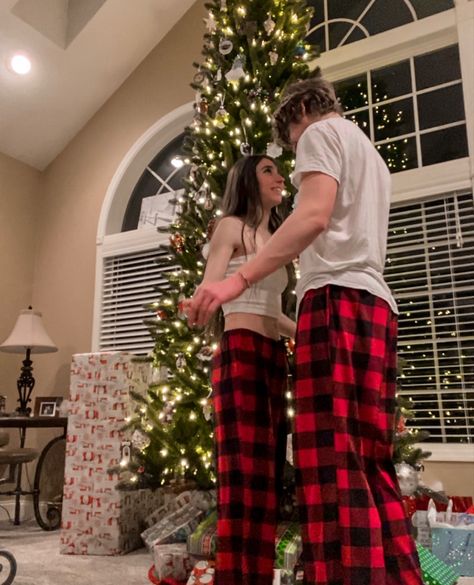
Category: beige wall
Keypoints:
(20, 195)
(76, 182)
(457, 479)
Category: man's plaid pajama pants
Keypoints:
(249, 380)
(354, 527)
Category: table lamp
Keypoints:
(28, 335)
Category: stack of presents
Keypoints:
(179, 530)
(181, 536)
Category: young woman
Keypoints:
(249, 378)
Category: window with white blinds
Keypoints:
(129, 282)
(429, 268)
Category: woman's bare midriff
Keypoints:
(267, 326)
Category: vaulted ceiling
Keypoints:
(81, 52)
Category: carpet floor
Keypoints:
(39, 561)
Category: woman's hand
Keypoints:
(210, 296)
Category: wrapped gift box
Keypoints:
(97, 518)
(172, 561)
(203, 541)
(288, 545)
(202, 574)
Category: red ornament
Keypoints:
(177, 242)
(290, 344)
(161, 314)
(401, 428)
(210, 228)
(141, 469)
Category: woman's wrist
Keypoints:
(244, 279)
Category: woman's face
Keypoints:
(270, 183)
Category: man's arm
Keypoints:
(316, 199)
(317, 196)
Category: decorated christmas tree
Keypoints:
(407, 455)
(252, 50)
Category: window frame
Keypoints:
(111, 241)
(454, 26)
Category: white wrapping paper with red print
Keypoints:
(172, 560)
(97, 519)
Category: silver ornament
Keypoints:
(408, 478)
(180, 362)
(140, 440)
(245, 149)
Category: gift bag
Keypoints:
(455, 547)
(452, 539)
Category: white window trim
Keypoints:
(448, 452)
(425, 35)
(110, 240)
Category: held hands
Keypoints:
(210, 296)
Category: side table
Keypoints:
(23, 423)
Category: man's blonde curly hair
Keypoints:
(312, 96)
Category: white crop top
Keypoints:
(261, 298)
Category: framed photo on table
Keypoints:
(47, 405)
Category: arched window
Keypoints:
(140, 198)
(341, 22)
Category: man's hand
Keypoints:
(210, 296)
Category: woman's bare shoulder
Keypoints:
(229, 226)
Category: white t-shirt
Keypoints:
(351, 251)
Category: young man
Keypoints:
(354, 527)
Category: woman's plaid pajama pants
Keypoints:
(354, 527)
(249, 381)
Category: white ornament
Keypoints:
(237, 71)
(205, 353)
(269, 25)
(273, 57)
(274, 150)
(225, 46)
(207, 411)
(205, 250)
(408, 478)
(126, 454)
(211, 24)
(221, 117)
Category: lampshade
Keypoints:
(28, 333)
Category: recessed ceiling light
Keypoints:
(20, 64)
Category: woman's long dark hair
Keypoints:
(242, 199)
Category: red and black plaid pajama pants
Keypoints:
(354, 527)
(249, 381)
